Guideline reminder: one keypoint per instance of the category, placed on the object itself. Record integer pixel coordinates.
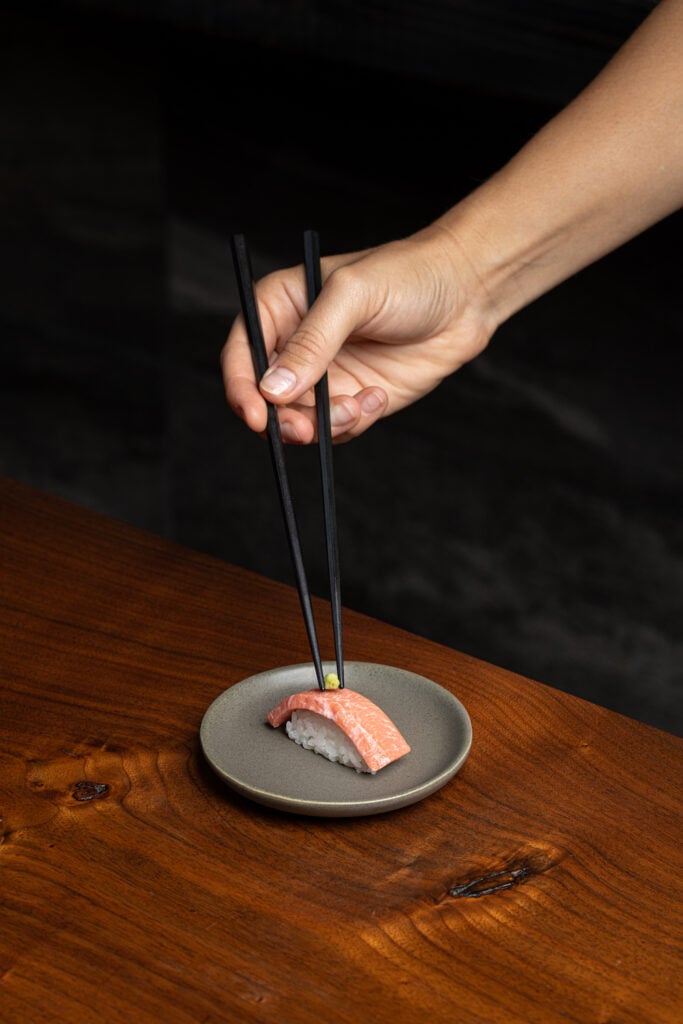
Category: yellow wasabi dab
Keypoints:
(332, 681)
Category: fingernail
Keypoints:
(289, 433)
(341, 414)
(278, 380)
(371, 402)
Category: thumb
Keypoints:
(312, 347)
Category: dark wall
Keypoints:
(528, 512)
(533, 50)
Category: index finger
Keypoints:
(239, 378)
(281, 300)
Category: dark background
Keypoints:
(527, 512)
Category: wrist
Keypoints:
(514, 251)
(457, 246)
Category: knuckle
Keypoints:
(307, 345)
(347, 282)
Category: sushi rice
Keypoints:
(315, 732)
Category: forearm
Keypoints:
(603, 170)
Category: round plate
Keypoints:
(264, 765)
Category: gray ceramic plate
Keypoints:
(264, 765)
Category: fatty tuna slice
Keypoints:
(372, 732)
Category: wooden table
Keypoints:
(541, 884)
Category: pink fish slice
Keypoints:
(371, 731)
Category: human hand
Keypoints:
(392, 322)
(388, 326)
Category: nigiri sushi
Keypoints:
(342, 725)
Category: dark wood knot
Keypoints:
(518, 871)
(89, 790)
(487, 884)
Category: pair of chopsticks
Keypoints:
(245, 282)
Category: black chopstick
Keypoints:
(322, 404)
(245, 283)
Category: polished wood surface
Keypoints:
(541, 884)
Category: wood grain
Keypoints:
(541, 884)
